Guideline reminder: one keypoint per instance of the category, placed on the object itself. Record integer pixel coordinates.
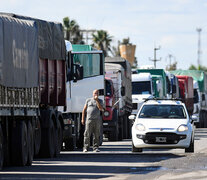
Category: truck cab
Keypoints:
(142, 89)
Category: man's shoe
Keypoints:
(85, 150)
(96, 150)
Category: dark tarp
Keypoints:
(18, 53)
(50, 38)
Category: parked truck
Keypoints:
(119, 126)
(186, 91)
(85, 73)
(200, 94)
(159, 81)
(32, 87)
(142, 88)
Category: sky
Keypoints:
(168, 24)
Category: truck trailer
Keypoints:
(32, 87)
(119, 126)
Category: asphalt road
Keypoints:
(116, 161)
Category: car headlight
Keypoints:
(106, 113)
(182, 128)
(140, 127)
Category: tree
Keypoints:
(101, 41)
(193, 67)
(172, 66)
(72, 31)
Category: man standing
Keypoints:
(92, 109)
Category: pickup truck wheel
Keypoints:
(30, 144)
(1, 148)
(134, 149)
(19, 150)
(190, 149)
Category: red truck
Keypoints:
(186, 91)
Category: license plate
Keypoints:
(161, 139)
(105, 124)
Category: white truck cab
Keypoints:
(141, 89)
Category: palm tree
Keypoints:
(101, 41)
(72, 31)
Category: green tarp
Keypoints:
(197, 75)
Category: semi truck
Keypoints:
(200, 94)
(32, 87)
(119, 126)
(159, 81)
(186, 91)
(85, 73)
(142, 88)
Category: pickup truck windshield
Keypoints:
(163, 111)
(143, 87)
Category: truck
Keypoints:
(200, 94)
(159, 81)
(85, 73)
(142, 88)
(173, 86)
(32, 87)
(119, 126)
(186, 91)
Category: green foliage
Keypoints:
(72, 31)
(193, 67)
(102, 41)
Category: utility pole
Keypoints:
(155, 60)
(199, 45)
(88, 33)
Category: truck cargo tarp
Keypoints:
(198, 75)
(51, 41)
(18, 53)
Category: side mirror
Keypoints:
(193, 118)
(123, 91)
(132, 117)
(173, 88)
(78, 72)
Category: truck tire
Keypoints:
(47, 148)
(19, 150)
(58, 138)
(69, 144)
(1, 148)
(37, 137)
(80, 137)
(204, 119)
(114, 134)
(134, 149)
(30, 141)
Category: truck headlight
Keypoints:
(140, 127)
(182, 128)
(106, 113)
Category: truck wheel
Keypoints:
(69, 144)
(47, 148)
(190, 149)
(1, 148)
(30, 144)
(58, 138)
(19, 150)
(134, 149)
(114, 134)
(204, 119)
(37, 136)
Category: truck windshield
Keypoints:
(163, 111)
(143, 87)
